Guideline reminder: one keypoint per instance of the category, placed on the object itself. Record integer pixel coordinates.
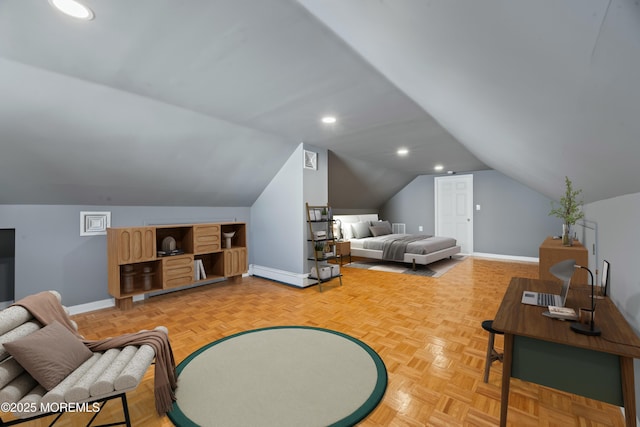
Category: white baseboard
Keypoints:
(110, 302)
(91, 306)
(98, 305)
(506, 257)
(287, 277)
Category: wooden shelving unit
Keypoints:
(138, 262)
(322, 245)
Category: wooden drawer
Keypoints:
(177, 271)
(206, 238)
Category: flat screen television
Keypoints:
(7, 266)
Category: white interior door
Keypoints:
(454, 209)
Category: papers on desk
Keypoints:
(564, 313)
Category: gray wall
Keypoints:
(278, 216)
(315, 192)
(513, 219)
(413, 206)
(618, 237)
(51, 254)
(276, 233)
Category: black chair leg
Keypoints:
(487, 363)
(492, 354)
(125, 409)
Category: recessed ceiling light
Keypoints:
(402, 152)
(329, 120)
(73, 8)
(438, 168)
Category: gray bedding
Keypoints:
(394, 246)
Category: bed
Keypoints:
(372, 238)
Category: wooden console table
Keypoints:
(552, 251)
(546, 351)
(137, 262)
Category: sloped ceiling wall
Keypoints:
(200, 103)
(197, 103)
(537, 90)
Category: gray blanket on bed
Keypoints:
(394, 250)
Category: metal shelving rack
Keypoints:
(318, 225)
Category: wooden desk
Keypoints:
(546, 351)
(552, 251)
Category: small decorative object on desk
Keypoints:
(565, 313)
(228, 236)
(569, 210)
(587, 316)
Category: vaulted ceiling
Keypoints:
(199, 103)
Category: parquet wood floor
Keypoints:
(427, 330)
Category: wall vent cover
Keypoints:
(310, 160)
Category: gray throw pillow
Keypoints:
(384, 224)
(49, 354)
(379, 230)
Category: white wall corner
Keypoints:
(295, 279)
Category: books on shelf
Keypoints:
(199, 272)
(564, 313)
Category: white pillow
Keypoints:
(361, 230)
(347, 231)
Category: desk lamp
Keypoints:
(563, 270)
(589, 329)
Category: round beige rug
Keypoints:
(280, 376)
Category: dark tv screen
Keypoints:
(7, 265)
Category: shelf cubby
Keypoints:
(183, 235)
(140, 277)
(239, 239)
(213, 265)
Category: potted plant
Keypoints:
(319, 250)
(569, 209)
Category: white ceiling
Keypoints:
(199, 103)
